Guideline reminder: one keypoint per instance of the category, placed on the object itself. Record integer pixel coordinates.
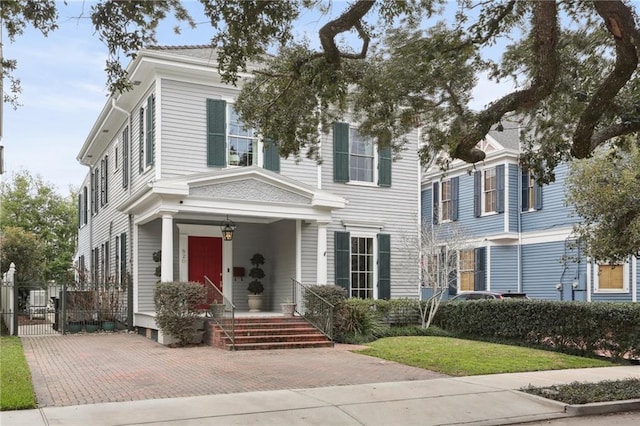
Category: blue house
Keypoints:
(518, 234)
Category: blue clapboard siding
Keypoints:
(513, 175)
(542, 269)
(554, 214)
(504, 268)
(471, 225)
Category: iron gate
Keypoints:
(29, 309)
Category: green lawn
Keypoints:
(16, 391)
(458, 357)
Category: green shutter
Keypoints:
(216, 133)
(384, 266)
(384, 166)
(150, 120)
(341, 152)
(343, 267)
(271, 155)
(123, 260)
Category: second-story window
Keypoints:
(489, 190)
(104, 180)
(531, 192)
(146, 134)
(356, 160)
(242, 141)
(229, 141)
(85, 206)
(361, 157)
(446, 200)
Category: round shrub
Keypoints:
(177, 308)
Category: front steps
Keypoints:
(269, 333)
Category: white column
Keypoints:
(321, 266)
(166, 273)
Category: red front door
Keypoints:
(205, 259)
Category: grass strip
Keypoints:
(459, 357)
(16, 390)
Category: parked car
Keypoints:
(483, 295)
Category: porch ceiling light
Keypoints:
(227, 229)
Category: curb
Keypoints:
(595, 408)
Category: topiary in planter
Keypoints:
(256, 272)
(177, 309)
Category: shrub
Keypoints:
(364, 320)
(314, 304)
(582, 328)
(177, 308)
(585, 393)
(360, 319)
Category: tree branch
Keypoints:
(609, 132)
(345, 22)
(545, 39)
(619, 21)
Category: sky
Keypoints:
(64, 89)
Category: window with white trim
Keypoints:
(489, 193)
(611, 277)
(445, 201)
(467, 270)
(361, 157)
(242, 141)
(362, 267)
(356, 158)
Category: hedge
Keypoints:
(583, 328)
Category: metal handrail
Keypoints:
(314, 308)
(224, 325)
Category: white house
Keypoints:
(170, 163)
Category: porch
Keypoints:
(182, 219)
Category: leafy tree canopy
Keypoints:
(24, 250)
(30, 204)
(604, 191)
(415, 63)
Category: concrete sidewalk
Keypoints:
(486, 400)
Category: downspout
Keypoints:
(130, 277)
(519, 249)
(419, 224)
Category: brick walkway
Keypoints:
(94, 368)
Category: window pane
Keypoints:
(467, 270)
(242, 142)
(361, 157)
(610, 277)
(362, 267)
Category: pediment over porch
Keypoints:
(244, 191)
(250, 189)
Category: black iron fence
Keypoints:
(31, 309)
